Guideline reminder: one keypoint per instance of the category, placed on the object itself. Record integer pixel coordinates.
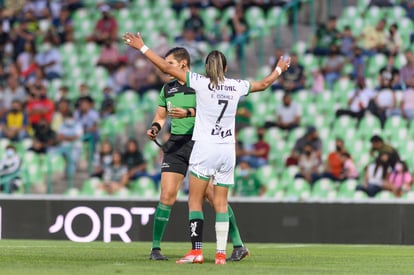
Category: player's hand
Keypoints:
(283, 63)
(152, 133)
(133, 40)
(177, 113)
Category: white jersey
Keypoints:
(216, 108)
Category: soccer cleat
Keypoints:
(238, 254)
(220, 258)
(195, 256)
(156, 255)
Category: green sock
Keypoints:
(233, 229)
(161, 217)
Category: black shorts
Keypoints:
(177, 151)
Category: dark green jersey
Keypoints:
(173, 94)
(247, 186)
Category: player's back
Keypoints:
(216, 107)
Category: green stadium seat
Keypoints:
(373, 15)
(276, 16)
(299, 189)
(248, 135)
(347, 188)
(324, 189)
(90, 186)
(143, 187)
(274, 188)
(375, 63)
(385, 195)
(369, 126)
(360, 195)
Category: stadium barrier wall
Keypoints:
(62, 218)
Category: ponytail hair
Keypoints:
(216, 64)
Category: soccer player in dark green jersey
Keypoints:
(179, 102)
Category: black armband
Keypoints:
(188, 113)
(156, 125)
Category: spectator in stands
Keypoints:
(26, 61)
(14, 124)
(39, 8)
(13, 91)
(39, 107)
(188, 41)
(376, 176)
(394, 42)
(246, 183)
(63, 26)
(244, 113)
(108, 104)
(308, 164)
(358, 101)
(20, 35)
(44, 137)
(69, 138)
(358, 64)
(195, 22)
(293, 79)
(311, 138)
(49, 60)
(10, 166)
(222, 4)
(134, 161)
(407, 71)
(407, 102)
(102, 158)
(217, 33)
(333, 66)
(409, 7)
(374, 38)
(334, 163)
(88, 118)
(347, 42)
(141, 76)
(318, 83)
(258, 155)
(378, 147)
(288, 114)
(84, 92)
(349, 169)
(106, 27)
(63, 107)
(62, 93)
(239, 27)
(400, 179)
(384, 103)
(390, 70)
(109, 56)
(326, 35)
(115, 175)
(38, 79)
(119, 79)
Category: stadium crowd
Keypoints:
(44, 112)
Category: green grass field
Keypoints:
(64, 257)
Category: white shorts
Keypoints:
(215, 160)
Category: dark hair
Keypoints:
(376, 138)
(347, 155)
(11, 146)
(384, 166)
(133, 141)
(216, 64)
(179, 54)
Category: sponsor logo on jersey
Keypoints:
(165, 165)
(221, 87)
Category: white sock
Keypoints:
(222, 230)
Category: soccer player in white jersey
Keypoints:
(213, 154)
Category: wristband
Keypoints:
(188, 113)
(279, 70)
(144, 49)
(156, 125)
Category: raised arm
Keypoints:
(136, 42)
(261, 85)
